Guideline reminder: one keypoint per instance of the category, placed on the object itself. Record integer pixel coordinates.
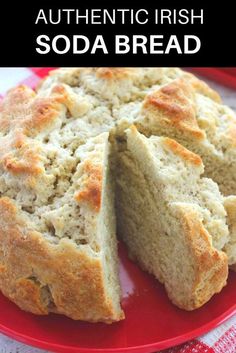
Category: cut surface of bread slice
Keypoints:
(58, 250)
(230, 247)
(172, 219)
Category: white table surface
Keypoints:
(8, 345)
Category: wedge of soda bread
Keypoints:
(58, 250)
(171, 218)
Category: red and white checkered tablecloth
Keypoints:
(220, 340)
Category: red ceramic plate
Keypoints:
(151, 323)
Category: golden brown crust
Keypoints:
(22, 116)
(114, 73)
(91, 191)
(109, 74)
(174, 105)
(21, 109)
(62, 95)
(183, 152)
(41, 277)
(25, 114)
(44, 111)
(28, 292)
(75, 104)
(201, 87)
(20, 157)
(210, 265)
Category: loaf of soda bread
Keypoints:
(60, 149)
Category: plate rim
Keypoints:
(168, 343)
